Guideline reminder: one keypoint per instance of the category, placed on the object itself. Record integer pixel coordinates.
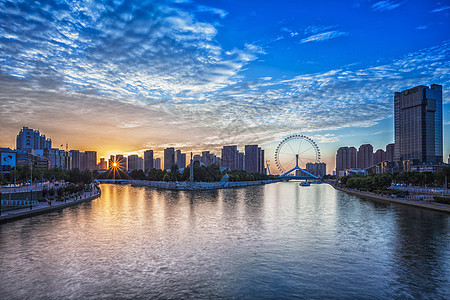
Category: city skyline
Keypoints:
(123, 78)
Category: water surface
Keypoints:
(273, 241)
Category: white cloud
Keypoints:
(324, 36)
(439, 9)
(386, 5)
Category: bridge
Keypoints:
(306, 175)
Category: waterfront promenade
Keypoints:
(48, 206)
(36, 186)
(404, 201)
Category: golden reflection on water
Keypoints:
(274, 241)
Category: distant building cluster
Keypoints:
(418, 142)
(252, 160)
(35, 150)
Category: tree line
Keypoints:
(210, 173)
(22, 174)
(380, 182)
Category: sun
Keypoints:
(114, 164)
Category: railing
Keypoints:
(18, 202)
(430, 190)
(27, 188)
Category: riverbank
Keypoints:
(427, 205)
(198, 186)
(44, 207)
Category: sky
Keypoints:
(125, 76)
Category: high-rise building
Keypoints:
(318, 168)
(75, 159)
(141, 163)
(251, 158)
(390, 152)
(180, 162)
(111, 161)
(29, 139)
(418, 124)
(157, 163)
(206, 158)
(58, 158)
(102, 165)
(121, 162)
(241, 160)
(262, 168)
(183, 160)
(345, 159)
(379, 156)
(230, 157)
(365, 156)
(148, 160)
(169, 158)
(133, 162)
(90, 160)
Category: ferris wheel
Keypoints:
(294, 152)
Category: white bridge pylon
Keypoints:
(297, 168)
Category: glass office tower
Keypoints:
(418, 124)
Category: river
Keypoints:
(263, 242)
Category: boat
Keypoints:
(305, 183)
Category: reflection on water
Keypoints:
(273, 241)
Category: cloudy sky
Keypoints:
(123, 76)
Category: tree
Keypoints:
(156, 175)
(87, 177)
(175, 174)
(166, 177)
(138, 175)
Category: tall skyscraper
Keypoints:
(230, 157)
(365, 156)
(418, 124)
(183, 160)
(345, 159)
(390, 152)
(262, 168)
(179, 159)
(148, 160)
(133, 162)
(141, 163)
(169, 158)
(251, 158)
(157, 163)
(90, 160)
(206, 158)
(75, 158)
(241, 159)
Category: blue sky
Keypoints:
(122, 76)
